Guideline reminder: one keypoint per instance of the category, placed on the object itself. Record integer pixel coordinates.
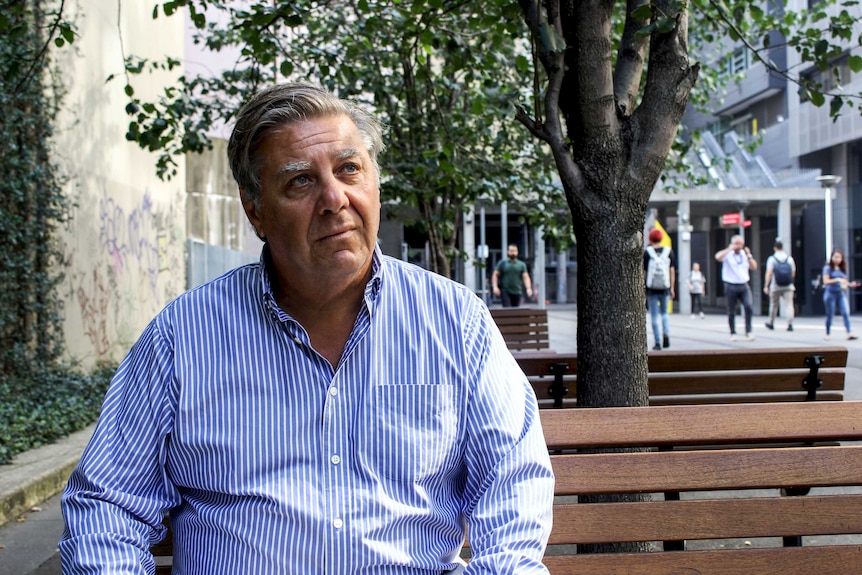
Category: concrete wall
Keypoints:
(125, 244)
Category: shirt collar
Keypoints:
(372, 289)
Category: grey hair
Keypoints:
(283, 104)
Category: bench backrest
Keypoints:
(788, 454)
(710, 376)
(523, 328)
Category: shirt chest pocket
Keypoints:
(408, 432)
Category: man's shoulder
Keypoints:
(410, 275)
(231, 286)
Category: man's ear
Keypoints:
(251, 212)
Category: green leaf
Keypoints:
(855, 63)
(817, 98)
(129, 90)
(666, 25)
(286, 68)
(550, 39)
(835, 107)
(643, 12)
(647, 30)
(67, 33)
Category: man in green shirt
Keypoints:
(508, 277)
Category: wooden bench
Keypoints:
(731, 515)
(523, 328)
(788, 456)
(708, 376)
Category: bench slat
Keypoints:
(829, 560)
(523, 328)
(651, 472)
(701, 424)
(728, 381)
(536, 363)
(736, 359)
(788, 397)
(707, 519)
(727, 386)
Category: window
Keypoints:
(738, 61)
(836, 75)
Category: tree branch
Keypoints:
(670, 78)
(630, 61)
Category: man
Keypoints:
(779, 280)
(736, 265)
(660, 274)
(328, 410)
(507, 279)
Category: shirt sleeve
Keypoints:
(510, 484)
(119, 493)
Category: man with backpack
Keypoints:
(660, 271)
(780, 273)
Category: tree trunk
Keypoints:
(612, 357)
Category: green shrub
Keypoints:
(40, 407)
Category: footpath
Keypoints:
(31, 521)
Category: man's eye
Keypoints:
(300, 180)
(350, 168)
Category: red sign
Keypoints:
(730, 219)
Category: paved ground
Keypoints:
(28, 540)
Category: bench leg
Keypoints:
(672, 545)
(672, 496)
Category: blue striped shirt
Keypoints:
(272, 462)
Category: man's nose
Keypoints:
(333, 195)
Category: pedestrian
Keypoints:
(696, 289)
(660, 276)
(736, 265)
(779, 284)
(835, 284)
(508, 278)
(328, 407)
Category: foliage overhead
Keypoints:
(442, 75)
(817, 36)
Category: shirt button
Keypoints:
(335, 459)
(297, 341)
(333, 391)
(338, 523)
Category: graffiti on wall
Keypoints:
(139, 266)
(129, 239)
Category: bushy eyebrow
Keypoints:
(346, 154)
(293, 167)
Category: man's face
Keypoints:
(319, 208)
(513, 252)
(737, 244)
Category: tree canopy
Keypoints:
(602, 85)
(443, 76)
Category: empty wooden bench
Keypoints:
(523, 328)
(731, 509)
(708, 376)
